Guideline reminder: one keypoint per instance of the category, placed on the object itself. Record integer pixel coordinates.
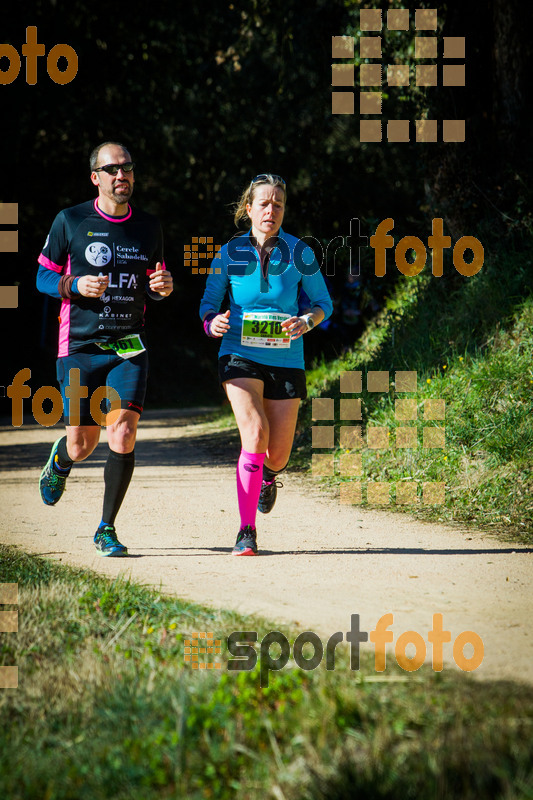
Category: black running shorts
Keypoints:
(281, 383)
(98, 369)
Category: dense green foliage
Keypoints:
(208, 95)
(106, 708)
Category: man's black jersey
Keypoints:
(85, 241)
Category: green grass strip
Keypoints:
(107, 708)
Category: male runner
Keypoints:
(101, 258)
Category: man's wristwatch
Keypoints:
(309, 321)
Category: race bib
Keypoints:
(263, 329)
(127, 347)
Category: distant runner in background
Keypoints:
(102, 258)
(261, 361)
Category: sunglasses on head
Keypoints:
(265, 177)
(112, 169)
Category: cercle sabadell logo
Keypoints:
(98, 254)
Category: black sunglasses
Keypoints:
(265, 177)
(112, 169)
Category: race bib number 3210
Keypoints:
(263, 329)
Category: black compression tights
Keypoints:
(117, 476)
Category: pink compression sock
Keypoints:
(249, 477)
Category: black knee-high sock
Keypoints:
(117, 476)
(269, 474)
(63, 458)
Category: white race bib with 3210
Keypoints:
(263, 329)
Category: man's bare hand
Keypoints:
(91, 286)
(161, 281)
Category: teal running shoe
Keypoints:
(246, 544)
(52, 481)
(107, 543)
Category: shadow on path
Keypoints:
(356, 551)
(219, 449)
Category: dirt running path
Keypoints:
(320, 561)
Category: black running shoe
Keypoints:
(246, 544)
(107, 543)
(52, 481)
(267, 498)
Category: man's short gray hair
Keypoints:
(93, 158)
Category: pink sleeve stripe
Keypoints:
(64, 321)
(45, 262)
(64, 328)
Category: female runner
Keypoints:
(261, 363)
